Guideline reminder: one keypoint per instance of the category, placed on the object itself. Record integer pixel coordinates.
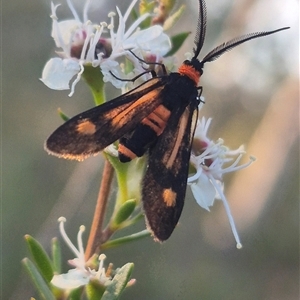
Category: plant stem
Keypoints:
(95, 237)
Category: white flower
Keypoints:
(209, 159)
(81, 275)
(82, 44)
(78, 40)
(151, 40)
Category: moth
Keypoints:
(157, 118)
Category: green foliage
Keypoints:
(40, 257)
(177, 41)
(56, 255)
(119, 282)
(94, 79)
(94, 290)
(126, 239)
(38, 280)
(62, 115)
(123, 213)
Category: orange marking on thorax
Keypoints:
(190, 72)
(157, 120)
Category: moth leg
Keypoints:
(153, 73)
(163, 67)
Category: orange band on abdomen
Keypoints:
(157, 120)
(126, 152)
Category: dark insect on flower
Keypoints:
(158, 117)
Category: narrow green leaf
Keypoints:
(56, 255)
(119, 282)
(126, 239)
(94, 290)
(62, 115)
(123, 213)
(38, 280)
(171, 20)
(76, 294)
(40, 257)
(177, 41)
(134, 15)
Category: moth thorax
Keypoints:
(188, 69)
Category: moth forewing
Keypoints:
(91, 131)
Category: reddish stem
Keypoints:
(95, 237)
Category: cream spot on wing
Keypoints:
(170, 156)
(86, 127)
(169, 197)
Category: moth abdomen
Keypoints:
(144, 136)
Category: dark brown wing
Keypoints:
(91, 131)
(165, 180)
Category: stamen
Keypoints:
(101, 271)
(53, 17)
(228, 212)
(207, 124)
(121, 29)
(72, 9)
(102, 257)
(129, 9)
(135, 24)
(240, 150)
(85, 10)
(77, 79)
(111, 27)
(233, 168)
(195, 176)
(239, 246)
(61, 221)
(53, 11)
(220, 141)
(57, 33)
(79, 242)
(89, 35)
(213, 149)
(94, 40)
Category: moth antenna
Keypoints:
(219, 50)
(201, 29)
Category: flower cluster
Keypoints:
(210, 160)
(84, 43)
(81, 274)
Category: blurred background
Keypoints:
(252, 95)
